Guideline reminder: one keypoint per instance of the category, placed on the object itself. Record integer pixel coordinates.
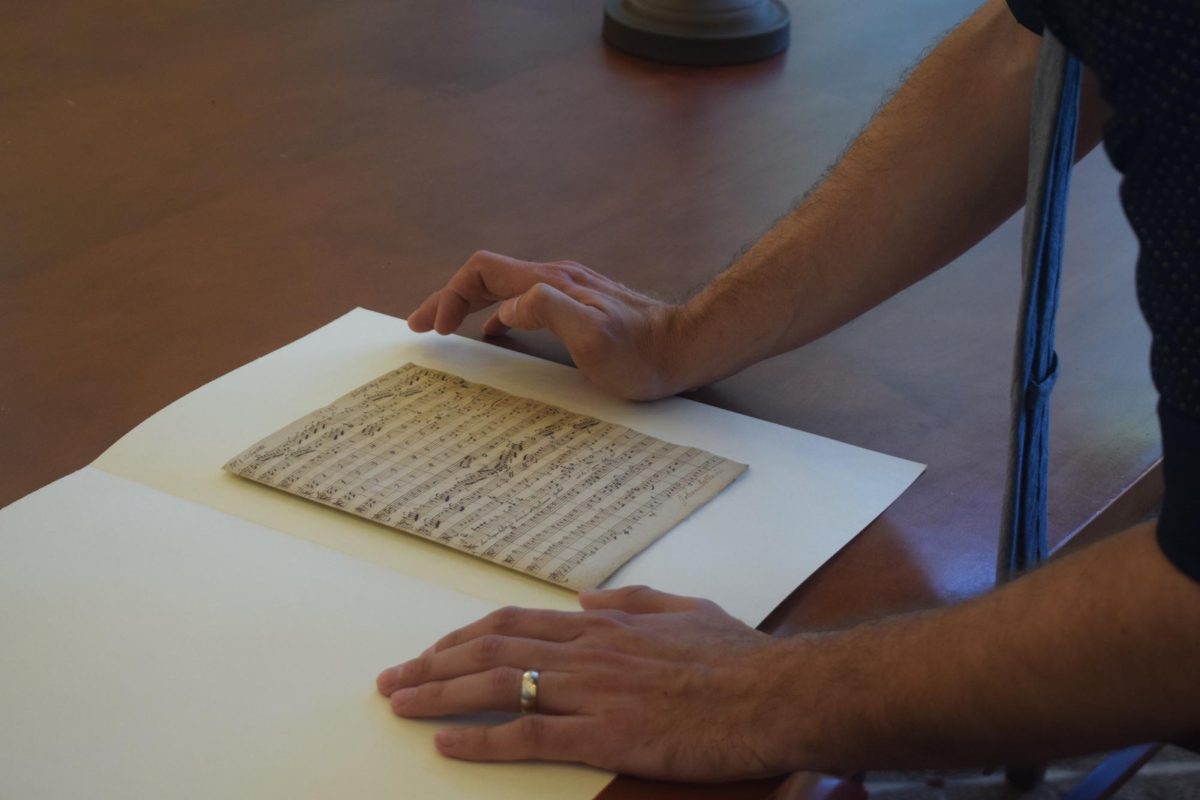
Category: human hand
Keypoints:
(623, 341)
(640, 682)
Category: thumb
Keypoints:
(636, 600)
(543, 306)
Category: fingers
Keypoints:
(533, 736)
(453, 307)
(546, 306)
(533, 638)
(551, 626)
(484, 279)
(496, 689)
(494, 327)
(421, 320)
(477, 655)
(638, 600)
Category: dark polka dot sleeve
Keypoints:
(1146, 54)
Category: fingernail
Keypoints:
(387, 680)
(505, 311)
(589, 595)
(447, 738)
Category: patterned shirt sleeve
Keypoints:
(1147, 60)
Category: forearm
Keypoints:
(1091, 652)
(941, 165)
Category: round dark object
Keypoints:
(697, 32)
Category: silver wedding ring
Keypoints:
(529, 691)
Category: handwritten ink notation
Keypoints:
(561, 496)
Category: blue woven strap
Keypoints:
(1035, 365)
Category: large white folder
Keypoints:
(167, 632)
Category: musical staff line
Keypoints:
(561, 496)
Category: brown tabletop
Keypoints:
(187, 185)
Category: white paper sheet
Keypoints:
(803, 499)
(156, 648)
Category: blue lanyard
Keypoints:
(1055, 114)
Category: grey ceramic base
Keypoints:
(700, 32)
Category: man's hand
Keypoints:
(907, 198)
(1093, 651)
(623, 341)
(640, 682)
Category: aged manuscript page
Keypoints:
(561, 496)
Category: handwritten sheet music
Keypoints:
(562, 496)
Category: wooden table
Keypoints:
(187, 185)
